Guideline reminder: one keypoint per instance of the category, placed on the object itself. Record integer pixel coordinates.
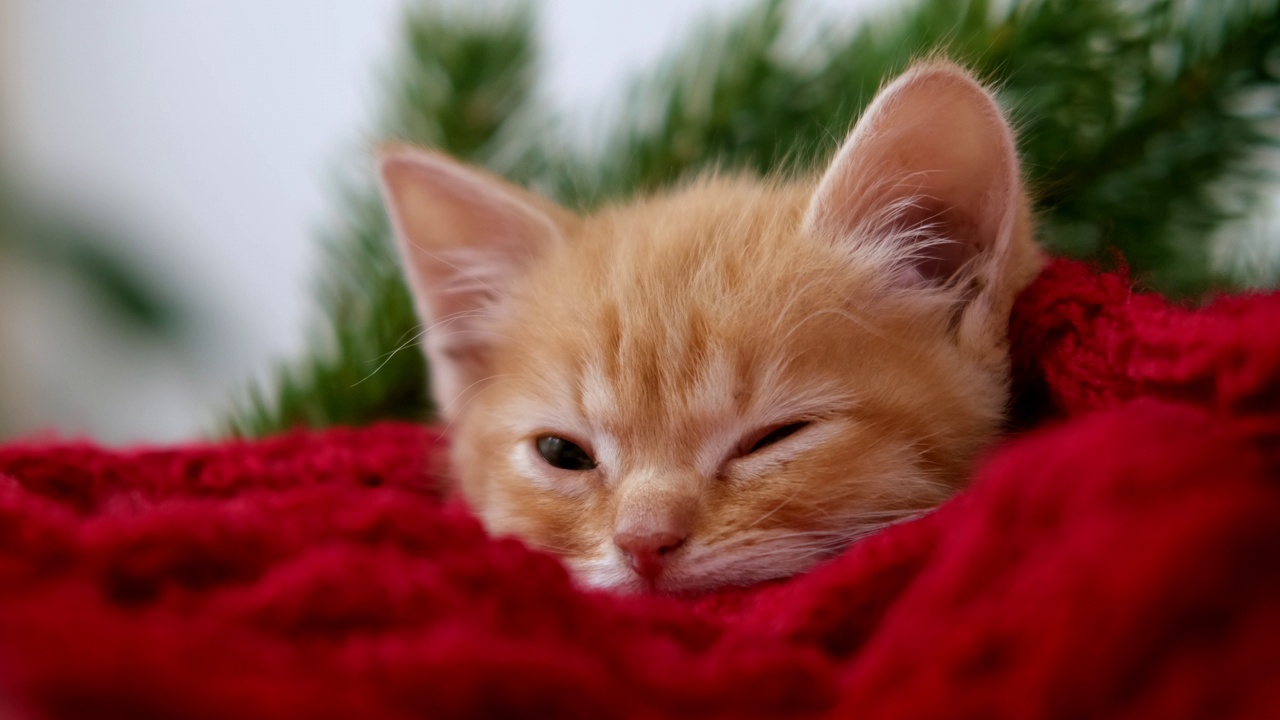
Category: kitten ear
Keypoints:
(931, 169)
(464, 236)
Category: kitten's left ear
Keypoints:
(931, 170)
(464, 236)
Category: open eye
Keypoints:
(771, 435)
(564, 454)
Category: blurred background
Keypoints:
(170, 172)
(169, 164)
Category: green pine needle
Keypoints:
(1139, 124)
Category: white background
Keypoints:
(206, 135)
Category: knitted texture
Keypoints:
(1115, 557)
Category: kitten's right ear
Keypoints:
(464, 236)
(932, 168)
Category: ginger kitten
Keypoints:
(730, 381)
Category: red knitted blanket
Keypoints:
(1118, 556)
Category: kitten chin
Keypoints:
(729, 382)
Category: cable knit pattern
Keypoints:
(1115, 557)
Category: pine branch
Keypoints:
(1154, 149)
(1139, 122)
(463, 76)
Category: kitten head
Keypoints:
(729, 382)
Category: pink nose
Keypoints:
(648, 552)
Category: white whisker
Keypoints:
(446, 411)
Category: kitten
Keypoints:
(731, 381)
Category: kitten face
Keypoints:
(730, 382)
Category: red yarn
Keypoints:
(1118, 558)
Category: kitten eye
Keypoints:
(563, 454)
(773, 435)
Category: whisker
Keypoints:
(775, 509)
(446, 410)
(387, 356)
(547, 547)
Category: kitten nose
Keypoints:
(648, 552)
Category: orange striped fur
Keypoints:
(667, 335)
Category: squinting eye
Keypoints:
(774, 435)
(563, 454)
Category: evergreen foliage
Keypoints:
(1140, 124)
(463, 76)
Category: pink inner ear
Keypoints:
(463, 234)
(934, 237)
(464, 238)
(934, 154)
